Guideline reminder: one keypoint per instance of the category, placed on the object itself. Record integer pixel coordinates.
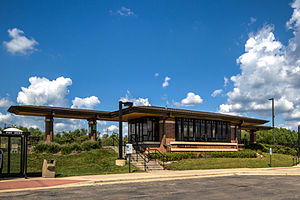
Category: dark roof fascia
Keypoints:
(171, 112)
(52, 111)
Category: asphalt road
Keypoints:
(228, 187)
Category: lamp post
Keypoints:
(273, 116)
(129, 104)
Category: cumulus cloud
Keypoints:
(216, 92)
(156, 74)
(88, 102)
(226, 81)
(42, 91)
(111, 128)
(4, 102)
(6, 118)
(166, 82)
(268, 69)
(125, 11)
(136, 101)
(191, 99)
(19, 43)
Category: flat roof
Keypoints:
(130, 113)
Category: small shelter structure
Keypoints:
(13, 152)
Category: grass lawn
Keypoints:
(278, 160)
(100, 161)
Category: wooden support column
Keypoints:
(49, 129)
(252, 137)
(93, 129)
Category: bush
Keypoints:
(234, 154)
(39, 148)
(275, 149)
(48, 147)
(174, 156)
(76, 147)
(66, 149)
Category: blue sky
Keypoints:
(107, 50)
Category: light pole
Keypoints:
(273, 116)
(129, 104)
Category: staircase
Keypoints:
(143, 163)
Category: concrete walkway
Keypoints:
(76, 181)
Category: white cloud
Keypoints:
(166, 82)
(136, 101)
(191, 100)
(69, 124)
(102, 123)
(156, 74)
(125, 11)
(268, 69)
(88, 102)
(6, 118)
(111, 128)
(4, 102)
(42, 91)
(216, 92)
(19, 43)
(226, 81)
(252, 21)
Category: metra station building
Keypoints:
(165, 129)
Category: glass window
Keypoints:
(213, 129)
(208, 129)
(203, 131)
(197, 130)
(191, 129)
(178, 129)
(219, 130)
(185, 128)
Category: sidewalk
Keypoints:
(75, 181)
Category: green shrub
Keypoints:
(66, 149)
(48, 147)
(52, 147)
(86, 146)
(275, 149)
(39, 148)
(234, 154)
(173, 156)
(76, 147)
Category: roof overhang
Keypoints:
(130, 113)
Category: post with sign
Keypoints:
(270, 157)
(129, 152)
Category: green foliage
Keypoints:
(66, 149)
(174, 156)
(88, 145)
(76, 147)
(283, 137)
(48, 147)
(275, 149)
(71, 136)
(111, 140)
(234, 154)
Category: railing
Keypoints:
(116, 141)
(158, 154)
(144, 152)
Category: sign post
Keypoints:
(270, 157)
(129, 152)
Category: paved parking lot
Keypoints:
(228, 187)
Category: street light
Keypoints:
(128, 104)
(273, 116)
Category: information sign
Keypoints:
(128, 148)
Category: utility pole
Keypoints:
(273, 116)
